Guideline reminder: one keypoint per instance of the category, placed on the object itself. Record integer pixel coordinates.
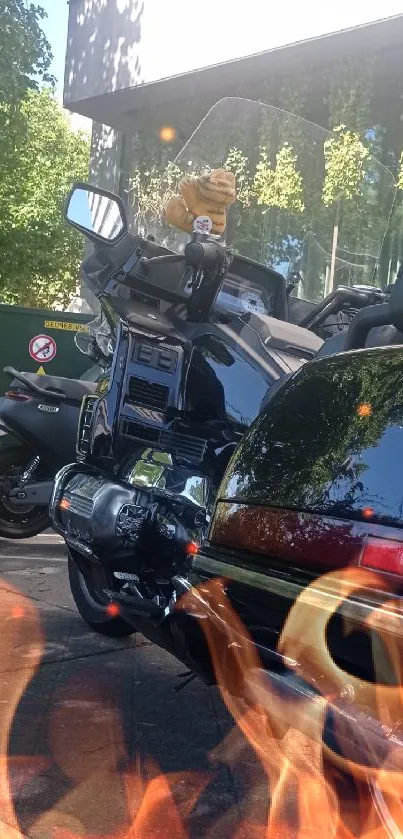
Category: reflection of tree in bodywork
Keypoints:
(289, 205)
(312, 446)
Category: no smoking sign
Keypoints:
(42, 348)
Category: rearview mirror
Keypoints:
(97, 213)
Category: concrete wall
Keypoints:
(105, 157)
(117, 44)
(102, 47)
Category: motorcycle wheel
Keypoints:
(18, 522)
(92, 606)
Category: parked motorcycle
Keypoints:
(39, 418)
(203, 333)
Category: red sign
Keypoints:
(42, 348)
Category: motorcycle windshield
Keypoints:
(98, 330)
(308, 200)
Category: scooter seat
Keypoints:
(74, 389)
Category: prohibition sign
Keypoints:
(42, 348)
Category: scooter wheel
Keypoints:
(94, 608)
(18, 522)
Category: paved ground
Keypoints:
(93, 707)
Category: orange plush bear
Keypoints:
(206, 195)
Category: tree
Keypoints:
(25, 54)
(281, 187)
(345, 157)
(25, 57)
(39, 254)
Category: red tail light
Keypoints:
(17, 396)
(383, 555)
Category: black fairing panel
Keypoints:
(174, 377)
(329, 441)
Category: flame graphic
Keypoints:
(350, 788)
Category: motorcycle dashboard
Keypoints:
(237, 296)
(248, 286)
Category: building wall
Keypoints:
(118, 44)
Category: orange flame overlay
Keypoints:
(311, 789)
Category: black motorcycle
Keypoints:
(203, 334)
(38, 419)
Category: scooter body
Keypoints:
(38, 420)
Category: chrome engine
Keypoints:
(152, 506)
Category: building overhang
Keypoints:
(380, 42)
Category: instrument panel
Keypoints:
(238, 296)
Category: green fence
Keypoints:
(31, 339)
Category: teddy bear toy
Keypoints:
(205, 197)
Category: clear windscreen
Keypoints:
(98, 330)
(308, 200)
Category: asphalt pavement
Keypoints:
(96, 734)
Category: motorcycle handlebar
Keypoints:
(197, 254)
(158, 260)
(333, 303)
(208, 255)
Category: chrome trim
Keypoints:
(60, 481)
(274, 585)
(354, 607)
(86, 402)
(155, 469)
(57, 493)
(78, 546)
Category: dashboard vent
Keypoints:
(185, 447)
(84, 427)
(189, 448)
(140, 432)
(148, 394)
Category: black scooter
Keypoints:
(38, 423)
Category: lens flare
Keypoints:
(167, 134)
(368, 513)
(21, 646)
(364, 410)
